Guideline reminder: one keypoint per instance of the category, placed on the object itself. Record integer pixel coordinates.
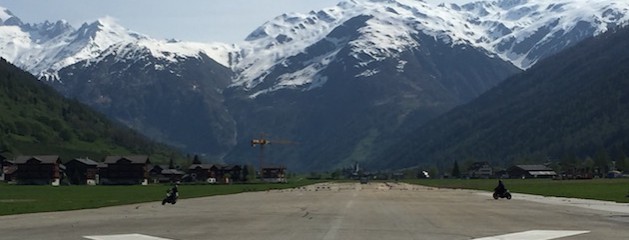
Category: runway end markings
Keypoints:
(535, 235)
(134, 236)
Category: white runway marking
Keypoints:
(125, 237)
(534, 235)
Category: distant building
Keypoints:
(164, 174)
(128, 170)
(273, 174)
(234, 172)
(215, 173)
(203, 172)
(531, 171)
(480, 170)
(82, 171)
(39, 170)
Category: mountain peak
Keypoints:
(7, 18)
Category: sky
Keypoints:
(228, 21)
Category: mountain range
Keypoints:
(570, 105)
(344, 82)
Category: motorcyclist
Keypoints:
(172, 195)
(500, 189)
(174, 191)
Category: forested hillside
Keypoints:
(572, 107)
(35, 119)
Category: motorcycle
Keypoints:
(170, 198)
(505, 194)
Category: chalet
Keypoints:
(125, 170)
(231, 173)
(82, 171)
(203, 172)
(531, 171)
(39, 170)
(480, 170)
(274, 174)
(213, 173)
(165, 174)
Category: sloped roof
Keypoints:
(202, 166)
(85, 161)
(231, 167)
(44, 159)
(534, 167)
(172, 172)
(138, 159)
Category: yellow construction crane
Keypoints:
(262, 141)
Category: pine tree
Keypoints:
(171, 164)
(196, 160)
(602, 161)
(456, 173)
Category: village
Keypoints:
(123, 170)
(138, 170)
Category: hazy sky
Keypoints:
(227, 21)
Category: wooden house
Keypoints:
(165, 174)
(82, 171)
(215, 173)
(204, 172)
(480, 170)
(232, 173)
(39, 169)
(126, 170)
(274, 174)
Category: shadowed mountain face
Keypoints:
(357, 113)
(180, 104)
(574, 103)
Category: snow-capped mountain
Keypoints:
(525, 31)
(362, 72)
(44, 49)
(519, 31)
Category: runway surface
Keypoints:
(333, 211)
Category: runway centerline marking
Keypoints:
(133, 236)
(535, 235)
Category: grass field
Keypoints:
(602, 189)
(19, 199)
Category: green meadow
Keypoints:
(19, 199)
(615, 190)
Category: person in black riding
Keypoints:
(172, 195)
(175, 191)
(500, 189)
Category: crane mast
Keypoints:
(263, 141)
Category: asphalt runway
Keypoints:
(331, 211)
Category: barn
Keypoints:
(42, 170)
(125, 170)
(82, 171)
(531, 171)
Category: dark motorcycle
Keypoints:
(170, 197)
(504, 194)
